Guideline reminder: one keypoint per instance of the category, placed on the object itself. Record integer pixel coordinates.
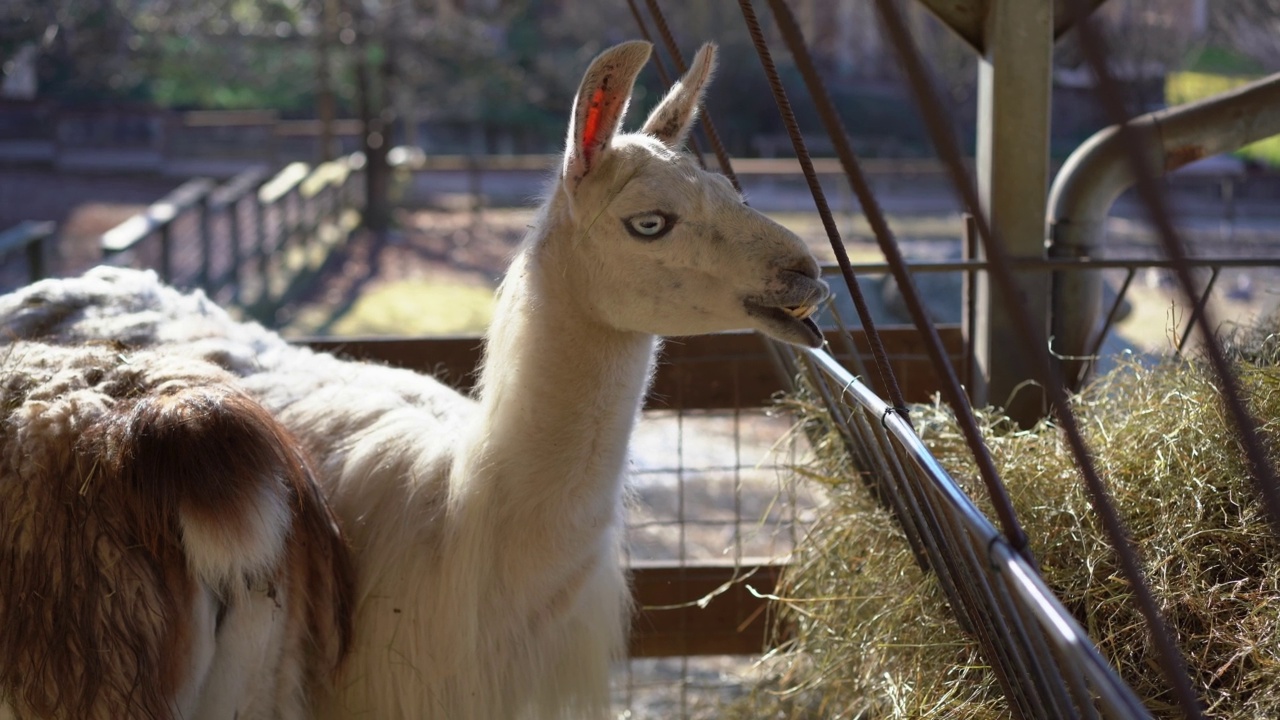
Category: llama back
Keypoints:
(133, 308)
(163, 550)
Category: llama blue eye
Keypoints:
(650, 225)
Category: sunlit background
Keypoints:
(257, 124)
(107, 105)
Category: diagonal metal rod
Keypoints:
(887, 377)
(950, 381)
(1170, 658)
(1264, 475)
(663, 75)
(1198, 311)
(722, 157)
(1096, 348)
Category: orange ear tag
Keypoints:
(591, 125)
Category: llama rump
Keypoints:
(484, 532)
(163, 547)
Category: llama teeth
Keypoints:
(800, 312)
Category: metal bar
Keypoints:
(942, 365)
(663, 75)
(923, 514)
(1264, 475)
(722, 157)
(1110, 320)
(1012, 159)
(1082, 263)
(1033, 343)
(883, 368)
(1060, 627)
(846, 339)
(1198, 310)
(1100, 170)
(969, 596)
(1038, 661)
(1063, 632)
(969, 298)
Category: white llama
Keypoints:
(485, 533)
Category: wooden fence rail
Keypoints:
(247, 241)
(31, 237)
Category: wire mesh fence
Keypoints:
(1046, 665)
(712, 491)
(716, 507)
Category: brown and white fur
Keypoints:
(164, 551)
(485, 533)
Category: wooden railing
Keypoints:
(248, 241)
(31, 238)
(122, 242)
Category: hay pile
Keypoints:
(875, 638)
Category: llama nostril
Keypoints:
(806, 266)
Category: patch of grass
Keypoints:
(407, 307)
(874, 635)
(1223, 61)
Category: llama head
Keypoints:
(658, 244)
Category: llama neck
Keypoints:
(559, 395)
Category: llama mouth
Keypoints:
(790, 323)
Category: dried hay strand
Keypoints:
(873, 637)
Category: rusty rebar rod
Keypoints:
(722, 156)
(663, 75)
(1170, 658)
(887, 377)
(1264, 475)
(950, 381)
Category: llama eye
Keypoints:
(649, 226)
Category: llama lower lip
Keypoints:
(785, 325)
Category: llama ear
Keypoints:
(671, 121)
(599, 106)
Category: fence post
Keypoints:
(1014, 80)
(233, 237)
(264, 269)
(36, 257)
(166, 253)
(206, 241)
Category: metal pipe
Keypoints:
(1099, 171)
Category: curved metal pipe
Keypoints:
(1099, 171)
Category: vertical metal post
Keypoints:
(1014, 95)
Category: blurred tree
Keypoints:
(86, 48)
(1247, 28)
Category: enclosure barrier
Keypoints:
(1038, 681)
(1046, 663)
(31, 238)
(248, 241)
(698, 608)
